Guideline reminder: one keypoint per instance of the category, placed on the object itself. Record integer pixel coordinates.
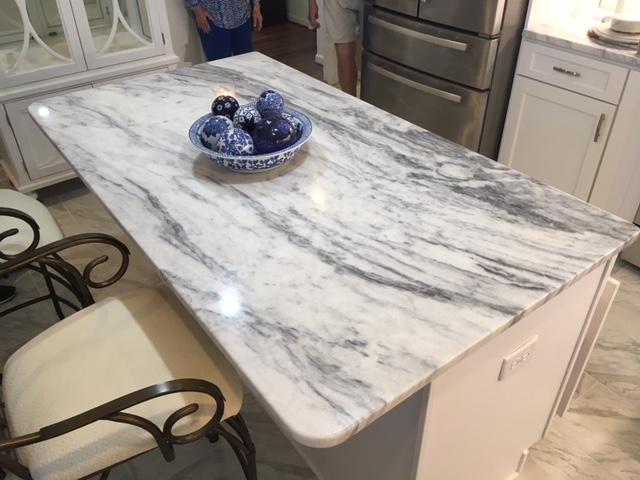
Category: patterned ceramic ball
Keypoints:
(225, 105)
(272, 135)
(247, 117)
(270, 104)
(235, 142)
(212, 130)
(295, 123)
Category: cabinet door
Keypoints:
(40, 156)
(38, 40)
(555, 136)
(118, 31)
(617, 188)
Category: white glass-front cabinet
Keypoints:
(116, 31)
(38, 40)
(52, 47)
(42, 39)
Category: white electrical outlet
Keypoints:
(517, 359)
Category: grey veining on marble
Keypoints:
(342, 284)
(572, 35)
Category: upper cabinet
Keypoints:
(38, 40)
(117, 31)
(42, 39)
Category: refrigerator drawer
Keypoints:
(480, 16)
(408, 7)
(459, 57)
(450, 110)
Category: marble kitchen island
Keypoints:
(369, 291)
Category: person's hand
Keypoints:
(202, 17)
(313, 14)
(257, 17)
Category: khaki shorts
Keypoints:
(342, 19)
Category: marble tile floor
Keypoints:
(598, 439)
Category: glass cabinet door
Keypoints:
(38, 40)
(116, 31)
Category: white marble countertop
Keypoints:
(571, 34)
(342, 284)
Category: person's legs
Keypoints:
(242, 38)
(7, 293)
(216, 43)
(341, 21)
(347, 68)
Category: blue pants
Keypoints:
(223, 42)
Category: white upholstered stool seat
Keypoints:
(49, 229)
(110, 349)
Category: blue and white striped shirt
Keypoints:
(227, 13)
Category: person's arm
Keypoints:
(257, 16)
(200, 14)
(313, 14)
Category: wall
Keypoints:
(298, 11)
(184, 37)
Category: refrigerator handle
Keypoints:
(451, 97)
(442, 42)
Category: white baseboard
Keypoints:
(319, 59)
(297, 19)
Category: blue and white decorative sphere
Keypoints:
(295, 123)
(235, 142)
(212, 130)
(247, 117)
(272, 135)
(225, 105)
(270, 104)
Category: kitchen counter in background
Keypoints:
(571, 34)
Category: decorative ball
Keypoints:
(270, 104)
(213, 128)
(225, 105)
(295, 123)
(271, 135)
(247, 117)
(235, 142)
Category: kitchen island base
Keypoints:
(478, 419)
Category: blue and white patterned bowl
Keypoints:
(253, 163)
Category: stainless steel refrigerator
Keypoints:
(446, 65)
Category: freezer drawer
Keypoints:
(456, 56)
(408, 7)
(481, 16)
(450, 110)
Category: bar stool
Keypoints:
(31, 238)
(115, 380)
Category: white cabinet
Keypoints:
(555, 135)
(51, 47)
(40, 157)
(38, 40)
(117, 31)
(617, 187)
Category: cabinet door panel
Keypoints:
(617, 188)
(118, 31)
(38, 40)
(41, 158)
(555, 136)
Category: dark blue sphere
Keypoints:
(273, 135)
(270, 104)
(225, 105)
(295, 123)
(235, 142)
(212, 130)
(247, 117)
